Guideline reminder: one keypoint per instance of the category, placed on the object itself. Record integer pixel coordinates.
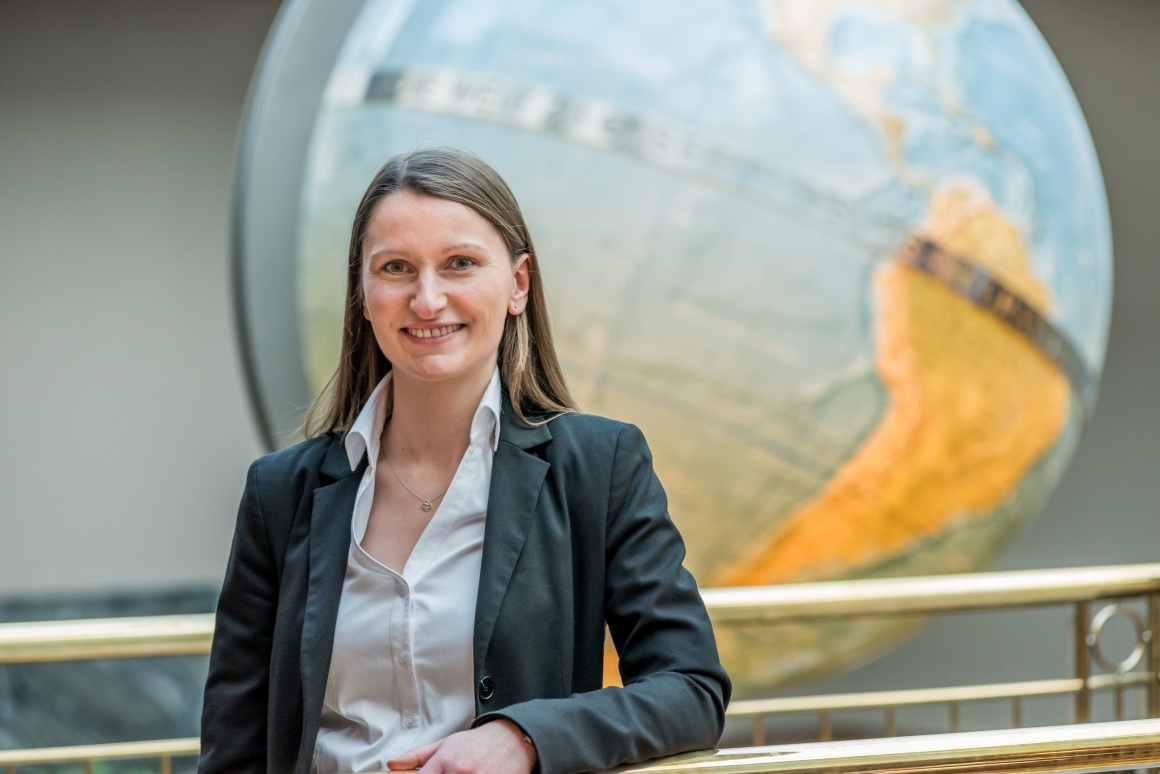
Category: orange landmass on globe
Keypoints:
(972, 406)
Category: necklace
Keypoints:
(426, 504)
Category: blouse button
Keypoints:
(409, 720)
(403, 656)
(486, 688)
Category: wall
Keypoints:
(124, 426)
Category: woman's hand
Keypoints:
(498, 747)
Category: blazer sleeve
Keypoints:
(233, 718)
(675, 690)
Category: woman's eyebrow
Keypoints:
(465, 246)
(387, 251)
(406, 254)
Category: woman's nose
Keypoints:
(429, 298)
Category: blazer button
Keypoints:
(486, 688)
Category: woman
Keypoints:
(425, 582)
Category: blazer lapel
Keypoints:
(516, 478)
(329, 545)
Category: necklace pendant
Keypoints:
(426, 505)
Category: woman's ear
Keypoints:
(521, 273)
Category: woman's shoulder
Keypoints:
(304, 457)
(587, 434)
(576, 423)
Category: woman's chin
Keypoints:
(438, 369)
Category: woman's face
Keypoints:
(438, 283)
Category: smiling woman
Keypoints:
(425, 582)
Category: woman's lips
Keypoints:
(433, 333)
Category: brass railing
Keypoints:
(163, 751)
(928, 594)
(1086, 747)
(1084, 588)
(192, 634)
(136, 637)
(1097, 594)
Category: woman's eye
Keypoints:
(394, 267)
(462, 262)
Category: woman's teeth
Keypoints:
(430, 333)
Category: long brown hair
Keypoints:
(529, 367)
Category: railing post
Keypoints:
(1082, 665)
(1154, 655)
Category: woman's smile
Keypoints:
(433, 335)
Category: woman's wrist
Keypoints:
(525, 741)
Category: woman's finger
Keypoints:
(414, 758)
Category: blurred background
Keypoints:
(126, 425)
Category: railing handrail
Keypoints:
(192, 634)
(912, 696)
(922, 595)
(1086, 747)
(158, 748)
(132, 637)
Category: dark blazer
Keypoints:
(577, 535)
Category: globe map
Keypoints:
(847, 264)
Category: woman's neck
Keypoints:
(431, 422)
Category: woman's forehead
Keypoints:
(405, 220)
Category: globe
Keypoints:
(846, 263)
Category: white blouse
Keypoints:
(401, 672)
